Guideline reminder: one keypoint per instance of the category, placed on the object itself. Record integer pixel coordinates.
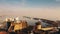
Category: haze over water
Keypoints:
(49, 9)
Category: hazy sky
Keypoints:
(37, 8)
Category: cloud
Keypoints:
(44, 12)
(57, 0)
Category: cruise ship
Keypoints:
(29, 26)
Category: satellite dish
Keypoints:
(6, 19)
(17, 18)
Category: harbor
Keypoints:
(29, 16)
